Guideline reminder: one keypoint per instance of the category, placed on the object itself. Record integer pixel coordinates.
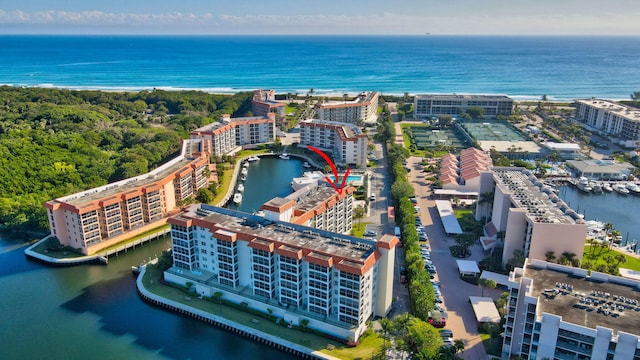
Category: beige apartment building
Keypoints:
(532, 218)
(345, 141)
(264, 103)
(363, 109)
(98, 218)
(230, 135)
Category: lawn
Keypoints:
(226, 182)
(492, 346)
(368, 345)
(596, 256)
(357, 229)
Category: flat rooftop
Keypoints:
(580, 301)
(189, 149)
(350, 130)
(296, 236)
(462, 97)
(529, 193)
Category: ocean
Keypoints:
(524, 67)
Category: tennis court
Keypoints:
(492, 131)
(426, 137)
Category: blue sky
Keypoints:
(514, 17)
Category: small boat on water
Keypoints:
(607, 187)
(583, 184)
(243, 177)
(241, 188)
(597, 189)
(306, 164)
(284, 156)
(244, 171)
(253, 159)
(621, 189)
(237, 198)
(633, 188)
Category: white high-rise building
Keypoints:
(612, 119)
(562, 312)
(434, 105)
(335, 282)
(314, 205)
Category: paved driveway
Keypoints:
(455, 292)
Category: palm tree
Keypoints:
(345, 96)
(386, 327)
(486, 198)
(620, 259)
(486, 283)
(549, 256)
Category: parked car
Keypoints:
(422, 236)
(447, 342)
(413, 199)
(403, 279)
(446, 333)
(370, 233)
(403, 270)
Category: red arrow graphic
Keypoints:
(333, 168)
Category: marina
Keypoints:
(613, 207)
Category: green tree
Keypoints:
(386, 327)
(444, 121)
(635, 96)
(517, 259)
(476, 112)
(402, 189)
(486, 283)
(205, 196)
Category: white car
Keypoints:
(447, 342)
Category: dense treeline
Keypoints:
(56, 142)
(420, 288)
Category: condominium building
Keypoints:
(98, 218)
(330, 282)
(612, 119)
(436, 105)
(314, 205)
(264, 102)
(346, 141)
(532, 218)
(363, 109)
(562, 312)
(230, 135)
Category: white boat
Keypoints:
(244, 171)
(621, 189)
(633, 188)
(306, 164)
(241, 188)
(597, 189)
(243, 177)
(237, 198)
(284, 156)
(583, 184)
(607, 187)
(253, 158)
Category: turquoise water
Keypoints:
(525, 67)
(351, 178)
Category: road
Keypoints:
(455, 292)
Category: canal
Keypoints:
(94, 312)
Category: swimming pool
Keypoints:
(350, 179)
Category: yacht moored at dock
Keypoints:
(237, 198)
(583, 184)
(621, 189)
(284, 156)
(253, 159)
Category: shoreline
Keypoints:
(301, 92)
(226, 324)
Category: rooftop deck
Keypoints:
(585, 302)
